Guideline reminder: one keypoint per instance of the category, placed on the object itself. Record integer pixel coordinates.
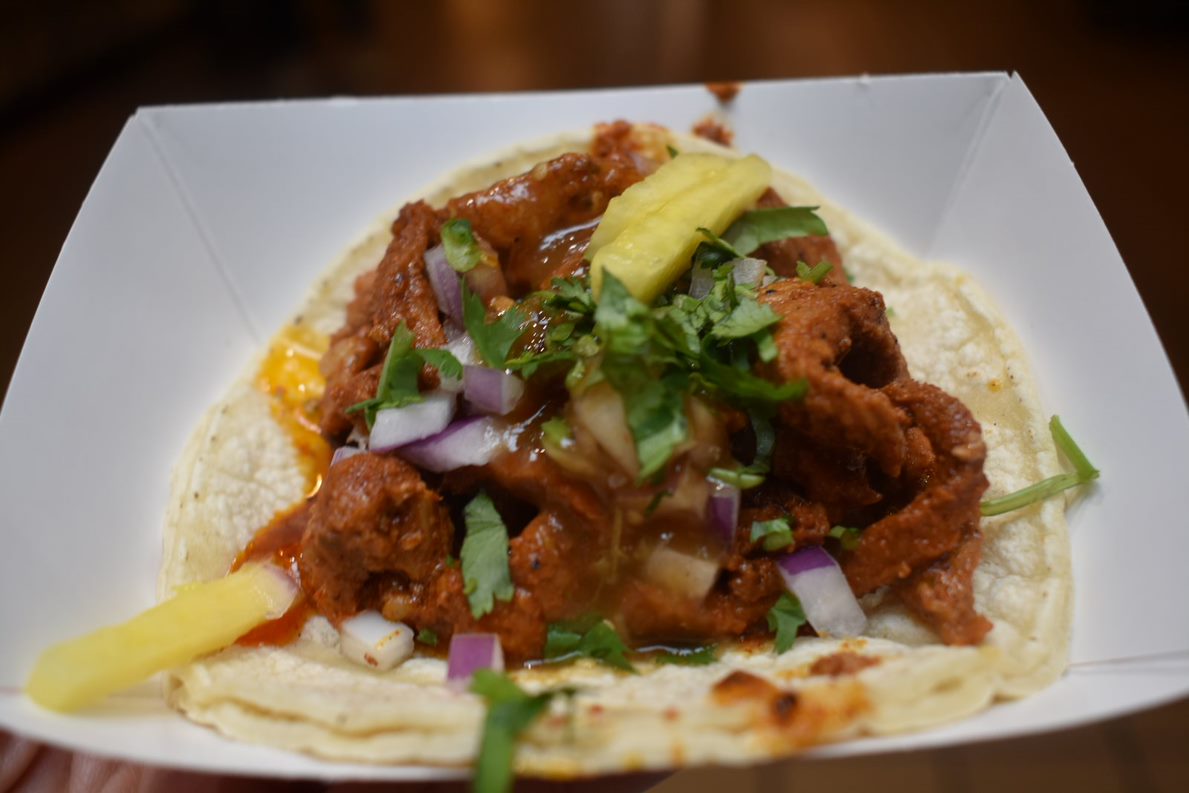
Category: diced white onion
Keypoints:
(701, 281)
(600, 411)
(398, 426)
(461, 347)
(681, 573)
(372, 641)
(749, 272)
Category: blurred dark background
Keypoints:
(1113, 77)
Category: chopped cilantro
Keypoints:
(775, 534)
(766, 346)
(1083, 472)
(402, 366)
(685, 656)
(673, 152)
(815, 274)
(462, 249)
(510, 711)
(556, 431)
(493, 340)
(656, 415)
(741, 478)
(761, 226)
(747, 319)
(485, 570)
(719, 243)
(746, 387)
(571, 294)
(786, 618)
(654, 402)
(428, 637)
(654, 503)
(588, 637)
(847, 536)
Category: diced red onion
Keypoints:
(343, 452)
(472, 441)
(470, 652)
(724, 510)
(701, 282)
(749, 271)
(681, 573)
(399, 426)
(446, 284)
(817, 581)
(491, 390)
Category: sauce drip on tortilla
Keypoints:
(290, 375)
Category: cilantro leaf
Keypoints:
(444, 361)
(588, 637)
(402, 368)
(428, 637)
(685, 656)
(786, 618)
(622, 321)
(510, 711)
(847, 536)
(398, 381)
(766, 346)
(485, 557)
(747, 319)
(673, 152)
(719, 243)
(746, 387)
(775, 533)
(571, 294)
(815, 274)
(493, 340)
(1084, 471)
(462, 249)
(761, 226)
(656, 416)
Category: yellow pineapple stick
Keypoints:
(670, 180)
(655, 248)
(200, 619)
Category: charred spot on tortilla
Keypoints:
(666, 452)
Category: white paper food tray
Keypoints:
(208, 224)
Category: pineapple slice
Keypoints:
(200, 619)
(669, 181)
(655, 247)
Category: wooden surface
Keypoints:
(1113, 78)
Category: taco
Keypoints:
(731, 510)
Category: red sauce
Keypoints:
(280, 543)
(281, 631)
